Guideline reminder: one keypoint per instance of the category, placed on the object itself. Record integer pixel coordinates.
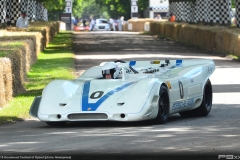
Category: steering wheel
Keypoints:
(121, 61)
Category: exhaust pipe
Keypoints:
(122, 115)
(59, 116)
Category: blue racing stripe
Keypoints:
(94, 106)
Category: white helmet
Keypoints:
(110, 68)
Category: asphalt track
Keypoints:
(193, 138)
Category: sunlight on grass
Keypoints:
(12, 44)
(56, 62)
(234, 57)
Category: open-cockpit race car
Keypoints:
(143, 90)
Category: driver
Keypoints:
(110, 70)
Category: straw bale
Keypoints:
(153, 27)
(2, 90)
(17, 72)
(169, 30)
(147, 26)
(7, 77)
(125, 27)
(138, 24)
(35, 41)
(18, 62)
(175, 31)
(161, 28)
(43, 32)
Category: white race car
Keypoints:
(144, 90)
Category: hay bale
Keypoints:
(152, 27)
(17, 72)
(209, 40)
(169, 29)
(161, 28)
(190, 31)
(138, 25)
(182, 32)
(7, 78)
(2, 86)
(236, 50)
(147, 27)
(125, 27)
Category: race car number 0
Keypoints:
(181, 89)
(96, 95)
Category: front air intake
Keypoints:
(87, 116)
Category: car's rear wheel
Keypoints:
(206, 105)
(163, 106)
(56, 124)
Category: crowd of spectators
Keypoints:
(116, 24)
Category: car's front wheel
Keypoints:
(56, 124)
(163, 106)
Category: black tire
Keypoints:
(163, 106)
(56, 124)
(206, 105)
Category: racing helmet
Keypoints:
(110, 68)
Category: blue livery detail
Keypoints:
(179, 62)
(183, 104)
(94, 106)
(132, 63)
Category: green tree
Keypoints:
(122, 7)
(233, 3)
(116, 7)
(142, 6)
(52, 5)
(77, 8)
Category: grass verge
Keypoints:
(56, 62)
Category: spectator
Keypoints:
(84, 23)
(158, 17)
(112, 23)
(120, 23)
(76, 21)
(72, 22)
(22, 21)
(8, 20)
(122, 18)
(92, 23)
(172, 18)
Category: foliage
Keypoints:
(143, 4)
(78, 6)
(53, 4)
(95, 8)
(90, 9)
(118, 8)
(233, 3)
